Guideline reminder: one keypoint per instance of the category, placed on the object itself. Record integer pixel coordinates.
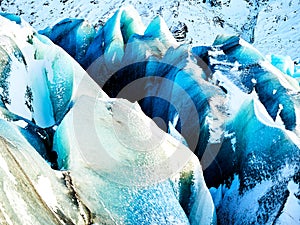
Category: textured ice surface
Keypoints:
(245, 154)
(241, 63)
(138, 174)
(267, 168)
(36, 76)
(31, 192)
(135, 173)
(149, 66)
(237, 111)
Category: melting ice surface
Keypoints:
(237, 110)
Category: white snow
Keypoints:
(285, 80)
(45, 190)
(236, 96)
(276, 29)
(253, 81)
(290, 213)
(20, 123)
(234, 204)
(17, 81)
(278, 119)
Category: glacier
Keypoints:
(161, 75)
(169, 175)
(143, 129)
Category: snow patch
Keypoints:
(5, 168)
(45, 190)
(290, 213)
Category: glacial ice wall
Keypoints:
(235, 108)
(100, 161)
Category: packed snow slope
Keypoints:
(271, 25)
